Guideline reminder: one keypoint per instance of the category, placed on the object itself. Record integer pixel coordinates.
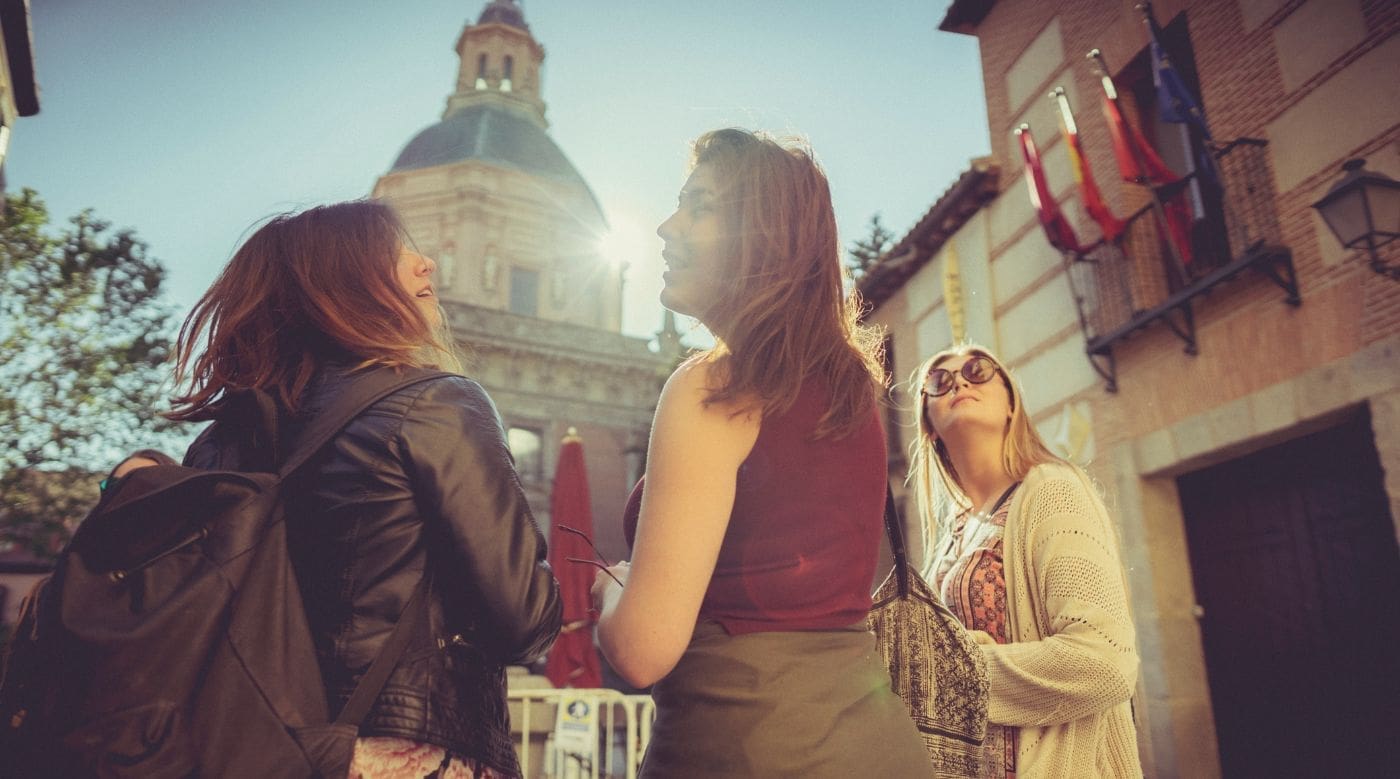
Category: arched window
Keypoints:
(447, 264)
(490, 269)
(481, 71)
(527, 447)
(525, 291)
(510, 67)
(559, 285)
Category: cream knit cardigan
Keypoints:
(1066, 677)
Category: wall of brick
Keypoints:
(1243, 90)
(1265, 371)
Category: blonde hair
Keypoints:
(938, 493)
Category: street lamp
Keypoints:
(1363, 210)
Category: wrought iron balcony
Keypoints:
(1137, 281)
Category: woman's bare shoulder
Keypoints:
(685, 413)
(690, 387)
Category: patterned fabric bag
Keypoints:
(934, 664)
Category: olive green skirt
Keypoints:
(781, 704)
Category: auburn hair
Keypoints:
(304, 289)
(782, 315)
(938, 492)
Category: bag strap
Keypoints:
(372, 683)
(894, 529)
(895, 532)
(364, 391)
(997, 506)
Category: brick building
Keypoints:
(1241, 410)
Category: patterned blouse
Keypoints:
(968, 574)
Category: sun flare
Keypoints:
(625, 244)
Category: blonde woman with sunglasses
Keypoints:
(1022, 549)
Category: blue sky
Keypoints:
(189, 120)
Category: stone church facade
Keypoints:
(535, 305)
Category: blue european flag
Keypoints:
(1175, 103)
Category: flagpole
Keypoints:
(1111, 92)
(1058, 95)
(1145, 6)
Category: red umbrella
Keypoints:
(573, 661)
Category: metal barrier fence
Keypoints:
(580, 733)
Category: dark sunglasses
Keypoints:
(603, 566)
(978, 370)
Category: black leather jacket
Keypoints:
(420, 483)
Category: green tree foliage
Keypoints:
(866, 251)
(84, 336)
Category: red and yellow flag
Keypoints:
(1111, 225)
(1057, 229)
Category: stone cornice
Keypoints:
(483, 328)
(518, 406)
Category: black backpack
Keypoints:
(171, 640)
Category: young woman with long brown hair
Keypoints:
(757, 525)
(420, 486)
(1022, 550)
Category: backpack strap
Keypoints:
(364, 391)
(370, 685)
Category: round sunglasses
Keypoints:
(978, 370)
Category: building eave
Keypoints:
(976, 187)
(19, 48)
(963, 16)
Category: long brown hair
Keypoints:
(305, 288)
(782, 309)
(938, 492)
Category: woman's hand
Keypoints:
(603, 582)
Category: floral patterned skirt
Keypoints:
(399, 758)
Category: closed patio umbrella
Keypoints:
(572, 661)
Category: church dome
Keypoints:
(503, 12)
(494, 135)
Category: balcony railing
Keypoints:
(1138, 280)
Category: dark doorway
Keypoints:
(1294, 559)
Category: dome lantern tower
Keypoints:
(500, 64)
(523, 278)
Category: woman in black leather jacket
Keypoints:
(419, 485)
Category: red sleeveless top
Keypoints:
(801, 546)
